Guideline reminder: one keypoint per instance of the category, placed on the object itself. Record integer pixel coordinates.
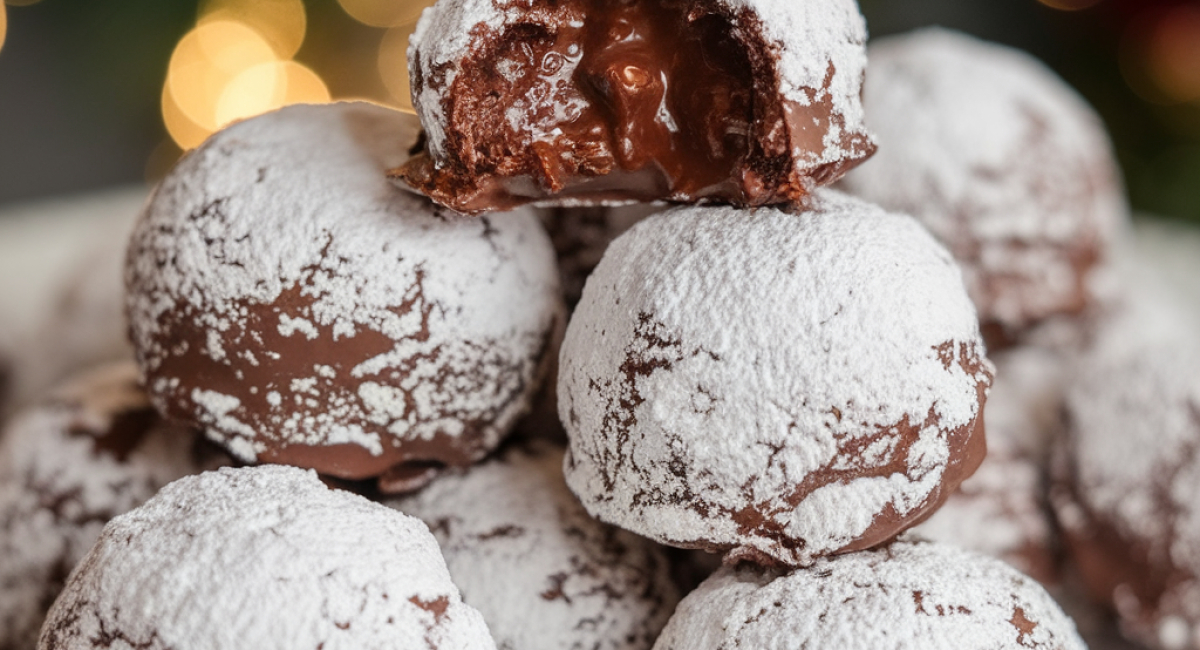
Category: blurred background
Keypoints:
(101, 93)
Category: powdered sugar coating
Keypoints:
(907, 596)
(286, 296)
(544, 574)
(1002, 161)
(264, 557)
(1002, 510)
(68, 465)
(817, 45)
(783, 385)
(1127, 480)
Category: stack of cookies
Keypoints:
(782, 376)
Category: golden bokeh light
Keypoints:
(1070, 5)
(186, 133)
(206, 60)
(282, 23)
(393, 64)
(385, 13)
(266, 87)
(1173, 54)
(3, 24)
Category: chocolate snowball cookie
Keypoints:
(905, 596)
(776, 386)
(1003, 509)
(1003, 162)
(751, 102)
(542, 572)
(1127, 481)
(263, 557)
(287, 297)
(92, 451)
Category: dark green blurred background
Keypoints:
(81, 81)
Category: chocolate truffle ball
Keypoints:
(1003, 509)
(92, 451)
(752, 102)
(1127, 479)
(263, 557)
(286, 296)
(779, 386)
(542, 572)
(908, 595)
(1003, 162)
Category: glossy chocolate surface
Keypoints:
(617, 101)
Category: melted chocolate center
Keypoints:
(625, 100)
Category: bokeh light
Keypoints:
(206, 60)
(1070, 5)
(385, 13)
(393, 64)
(237, 63)
(186, 133)
(282, 23)
(266, 87)
(3, 24)
(1173, 54)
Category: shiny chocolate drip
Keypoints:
(600, 100)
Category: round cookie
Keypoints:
(94, 450)
(1003, 162)
(778, 386)
(908, 595)
(542, 572)
(1003, 509)
(1127, 476)
(263, 557)
(750, 102)
(287, 297)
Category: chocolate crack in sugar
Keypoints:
(592, 101)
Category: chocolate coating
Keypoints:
(908, 595)
(594, 101)
(1004, 163)
(1126, 478)
(262, 557)
(776, 387)
(542, 572)
(94, 450)
(302, 309)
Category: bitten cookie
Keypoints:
(94, 450)
(751, 102)
(288, 298)
(908, 595)
(542, 572)
(778, 386)
(1003, 162)
(268, 558)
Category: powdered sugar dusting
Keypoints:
(1003, 161)
(263, 558)
(724, 361)
(809, 38)
(909, 595)
(67, 466)
(1131, 470)
(543, 573)
(279, 255)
